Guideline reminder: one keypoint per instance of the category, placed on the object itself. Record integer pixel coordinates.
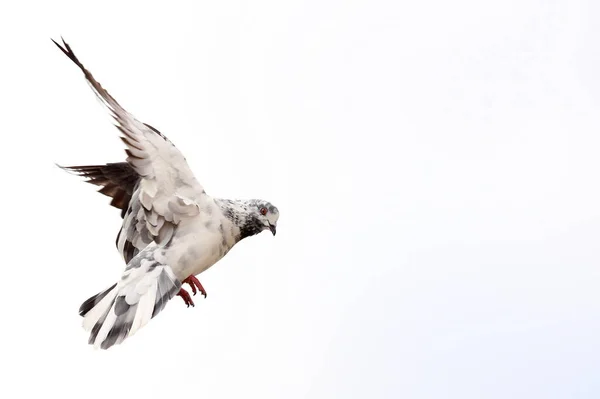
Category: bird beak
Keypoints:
(273, 228)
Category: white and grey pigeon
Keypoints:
(172, 229)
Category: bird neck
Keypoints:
(238, 212)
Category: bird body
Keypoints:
(202, 240)
(171, 230)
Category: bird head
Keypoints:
(251, 216)
(266, 214)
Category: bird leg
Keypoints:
(194, 283)
(186, 297)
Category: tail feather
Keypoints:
(118, 312)
(93, 301)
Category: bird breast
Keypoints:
(199, 243)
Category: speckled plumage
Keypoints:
(171, 228)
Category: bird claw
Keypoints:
(186, 297)
(194, 283)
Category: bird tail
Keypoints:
(119, 311)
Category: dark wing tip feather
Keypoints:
(97, 87)
(74, 170)
(117, 180)
(84, 171)
(68, 52)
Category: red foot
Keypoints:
(186, 297)
(193, 282)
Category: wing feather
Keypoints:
(167, 189)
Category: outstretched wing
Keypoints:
(167, 191)
(121, 182)
(117, 180)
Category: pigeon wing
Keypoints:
(117, 180)
(167, 191)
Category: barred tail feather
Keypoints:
(93, 301)
(118, 312)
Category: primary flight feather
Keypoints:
(172, 230)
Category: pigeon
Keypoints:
(172, 229)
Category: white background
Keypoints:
(436, 168)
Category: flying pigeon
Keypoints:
(172, 229)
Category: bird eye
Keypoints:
(263, 211)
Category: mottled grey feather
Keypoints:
(142, 273)
(93, 301)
